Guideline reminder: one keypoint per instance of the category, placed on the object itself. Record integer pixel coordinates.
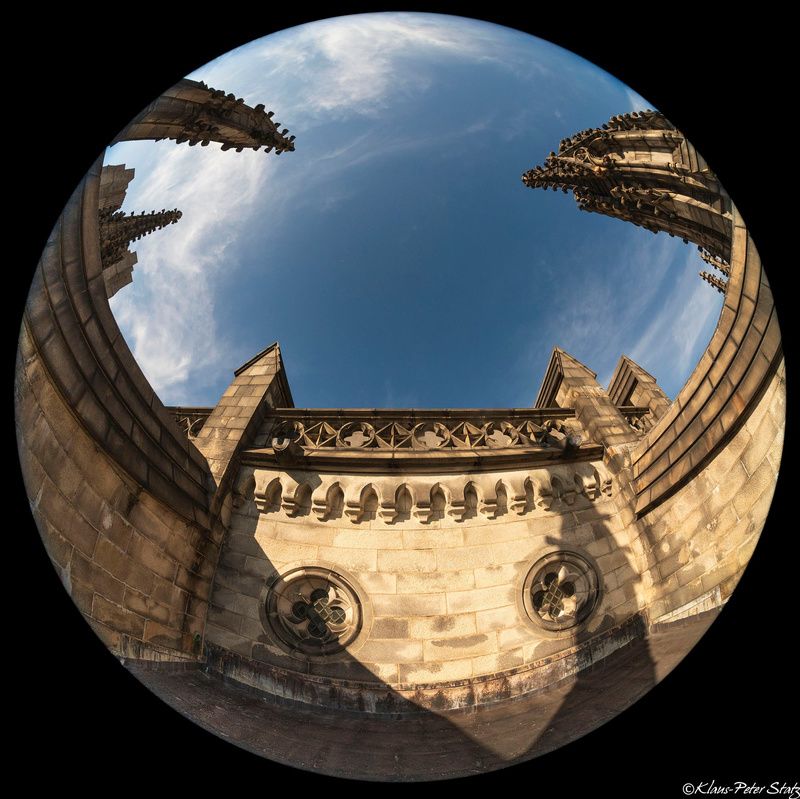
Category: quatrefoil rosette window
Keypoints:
(561, 590)
(314, 611)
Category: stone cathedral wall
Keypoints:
(119, 494)
(445, 625)
(444, 620)
(129, 562)
(127, 506)
(720, 394)
(174, 546)
(137, 554)
(697, 543)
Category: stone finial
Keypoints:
(715, 261)
(717, 282)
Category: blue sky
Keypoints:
(396, 254)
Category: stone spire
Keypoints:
(192, 112)
(188, 112)
(639, 168)
(118, 230)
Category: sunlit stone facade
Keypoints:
(374, 573)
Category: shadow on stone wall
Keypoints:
(326, 731)
(604, 683)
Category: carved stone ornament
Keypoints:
(343, 496)
(314, 611)
(480, 432)
(561, 590)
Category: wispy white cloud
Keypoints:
(597, 316)
(168, 316)
(610, 312)
(360, 64)
(310, 75)
(354, 145)
(682, 327)
(636, 101)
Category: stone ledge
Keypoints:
(378, 697)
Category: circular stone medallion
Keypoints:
(561, 590)
(314, 611)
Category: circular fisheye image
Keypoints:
(365, 451)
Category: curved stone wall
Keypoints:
(118, 492)
(445, 595)
(126, 504)
(140, 519)
(448, 627)
(719, 396)
(698, 542)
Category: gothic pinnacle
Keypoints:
(715, 261)
(636, 168)
(717, 282)
(192, 112)
(118, 230)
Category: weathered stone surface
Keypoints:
(170, 536)
(192, 112)
(414, 582)
(440, 626)
(408, 561)
(409, 604)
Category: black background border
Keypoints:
(77, 80)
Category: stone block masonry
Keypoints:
(137, 569)
(124, 501)
(400, 561)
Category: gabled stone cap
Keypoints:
(560, 362)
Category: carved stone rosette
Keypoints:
(313, 611)
(561, 590)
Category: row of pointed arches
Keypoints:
(491, 499)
